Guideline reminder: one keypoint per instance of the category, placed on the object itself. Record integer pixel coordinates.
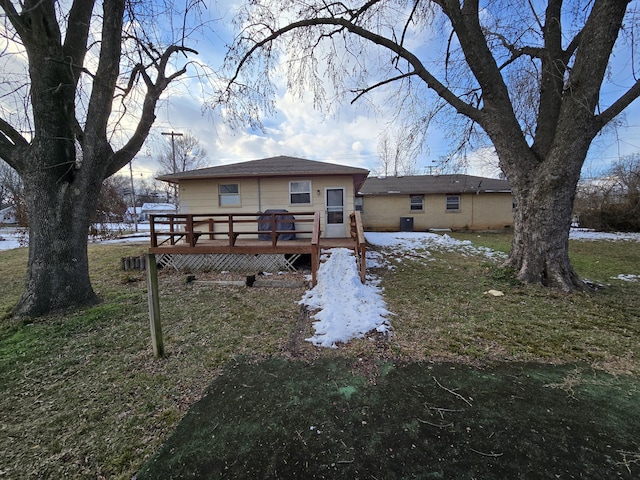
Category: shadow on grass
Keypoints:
(337, 419)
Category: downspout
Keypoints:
(472, 210)
(259, 197)
(472, 205)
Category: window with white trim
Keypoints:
(357, 203)
(300, 192)
(416, 203)
(228, 194)
(453, 203)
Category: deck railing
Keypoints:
(189, 228)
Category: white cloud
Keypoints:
(349, 135)
(483, 163)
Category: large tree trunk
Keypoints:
(540, 248)
(61, 190)
(544, 196)
(58, 267)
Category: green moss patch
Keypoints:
(321, 419)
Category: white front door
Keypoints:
(334, 227)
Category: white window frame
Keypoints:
(448, 204)
(299, 191)
(228, 195)
(414, 206)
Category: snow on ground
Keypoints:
(345, 308)
(417, 243)
(586, 234)
(627, 277)
(11, 237)
(15, 237)
(412, 242)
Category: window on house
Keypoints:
(357, 203)
(416, 202)
(229, 194)
(300, 192)
(453, 203)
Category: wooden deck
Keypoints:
(253, 234)
(238, 233)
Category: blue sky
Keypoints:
(349, 136)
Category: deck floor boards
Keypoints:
(251, 246)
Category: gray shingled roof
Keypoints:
(421, 184)
(268, 167)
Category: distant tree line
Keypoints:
(612, 202)
(115, 197)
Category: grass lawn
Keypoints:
(83, 397)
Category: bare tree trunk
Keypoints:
(61, 190)
(543, 213)
(58, 267)
(540, 249)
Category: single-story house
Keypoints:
(275, 183)
(427, 202)
(157, 209)
(8, 215)
(142, 213)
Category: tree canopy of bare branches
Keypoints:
(612, 202)
(79, 91)
(184, 153)
(529, 76)
(397, 153)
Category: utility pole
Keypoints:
(175, 166)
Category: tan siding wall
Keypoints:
(201, 196)
(487, 211)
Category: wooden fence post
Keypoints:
(154, 306)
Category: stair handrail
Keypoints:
(357, 233)
(315, 248)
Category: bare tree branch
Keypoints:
(509, 71)
(10, 138)
(618, 106)
(419, 69)
(364, 91)
(154, 89)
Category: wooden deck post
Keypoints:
(361, 246)
(315, 249)
(152, 230)
(154, 306)
(191, 238)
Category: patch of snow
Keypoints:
(419, 243)
(627, 277)
(375, 259)
(345, 308)
(12, 237)
(592, 235)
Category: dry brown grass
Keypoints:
(83, 396)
